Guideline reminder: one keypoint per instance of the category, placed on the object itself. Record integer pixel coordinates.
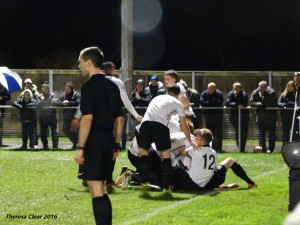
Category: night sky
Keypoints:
(186, 35)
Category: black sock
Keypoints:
(144, 169)
(101, 211)
(108, 203)
(166, 173)
(240, 172)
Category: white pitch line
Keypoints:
(160, 210)
(157, 211)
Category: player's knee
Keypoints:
(230, 159)
(228, 162)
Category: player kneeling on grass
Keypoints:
(203, 173)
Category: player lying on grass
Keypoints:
(203, 173)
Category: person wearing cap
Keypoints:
(139, 97)
(70, 99)
(33, 88)
(262, 98)
(154, 86)
(47, 116)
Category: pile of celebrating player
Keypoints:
(168, 156)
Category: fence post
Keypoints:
(271, 79)
(193, 80)
(51, 80)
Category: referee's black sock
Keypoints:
(101, 211)
(240, 172)
(144, 169)
(166, 173)
(108, 205)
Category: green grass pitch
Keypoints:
(42, 188)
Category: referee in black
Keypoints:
(101, 107)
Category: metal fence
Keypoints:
(196, 79)
(12, 128)
(228, 131)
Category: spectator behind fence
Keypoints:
(139, 97)
(47, 116)
(36, 96)
(262, 98)
(70, 98)
(212, 97)
(4, 97)
(28, 119)
(287, 101)
(192, 94)
(33, 88)
(154, 86)
(237, 99)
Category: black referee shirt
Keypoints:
(101, 97)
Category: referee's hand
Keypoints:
(79, 157)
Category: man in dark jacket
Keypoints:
(212, 97)
(237, 99)
(262, 98)
(4, 97)
(192, 94)
(154, 86)
(47, 116)
(70, 98)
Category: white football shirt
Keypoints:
(203, 165)
(162, 107)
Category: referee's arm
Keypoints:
(85, 127)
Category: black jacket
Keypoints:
(27, 110)
(233, 102)
(74, 100)
(5, 96)
(46, 101)
(263, 101)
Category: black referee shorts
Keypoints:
(98, 155)
(154, 132)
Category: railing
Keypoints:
(12, 127)
(228, 132)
